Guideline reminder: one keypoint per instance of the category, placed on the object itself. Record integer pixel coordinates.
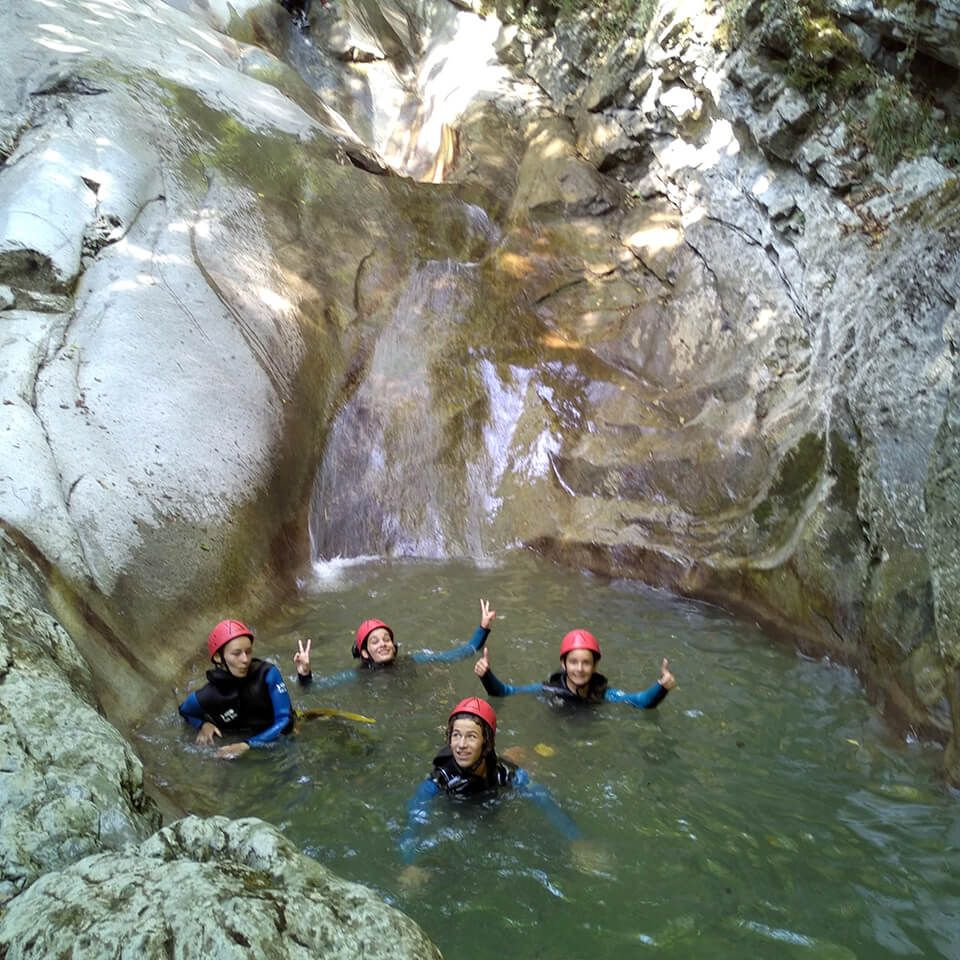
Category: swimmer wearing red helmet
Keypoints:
(468, 767)
(242, 694)
(578, 681)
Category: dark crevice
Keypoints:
(74, 84)
(562, 288)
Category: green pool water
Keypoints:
(763, 810)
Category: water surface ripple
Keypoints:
(762, 811)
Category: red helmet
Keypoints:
(477, 708)
(224, 632)
(364, 631)
(579, 640)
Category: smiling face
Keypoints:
(237, 655)
(466, 741)
(579, 665)
(379, 646)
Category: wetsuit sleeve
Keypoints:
(457, 653)
(282, 709)
(497, 688)
(542, 797)
(192, 712)
(418, 813)
(644, 700)
(334, 680)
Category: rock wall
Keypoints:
(775, 312)
(70, 784)
(712, 344)
(709, 342)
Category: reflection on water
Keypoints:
(761, 811)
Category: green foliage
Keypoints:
(894, 121)
(612, 17)
(804, 32)
(898, 125)
(732, 24)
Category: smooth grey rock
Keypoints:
(914, 180)
(867, 44)
(207, 888)
(745, 71)
(932, 28)
(615, 75)
(7, 297)
(653, 232)
(558, 61)
(836, 307)
(835, 176)
(45, 207)
(554, 180)
(509, 45)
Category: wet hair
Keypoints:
(488, 735)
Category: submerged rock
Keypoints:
(207, 888)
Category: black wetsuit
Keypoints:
(258, 702)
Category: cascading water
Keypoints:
(414, 458)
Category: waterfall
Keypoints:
(413, 459)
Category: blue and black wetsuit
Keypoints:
(557, 691)
(258, 702)
(474, 645)
(450, 778)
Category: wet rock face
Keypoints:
(207, 888)
(774, 315)
(70, 785)
(187, 259)
(713, 343)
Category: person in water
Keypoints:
(577, 680)
(242, 694)
(375, 647)
(468, 767)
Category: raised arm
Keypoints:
(646, 699)
(305, 677)
(494, 685)
(301, 660)
(478, 639)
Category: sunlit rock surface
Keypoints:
(713, 348)
(758, 401)
(664, 316)
(191, 257)
(207, 888)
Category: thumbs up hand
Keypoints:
(483, 664)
